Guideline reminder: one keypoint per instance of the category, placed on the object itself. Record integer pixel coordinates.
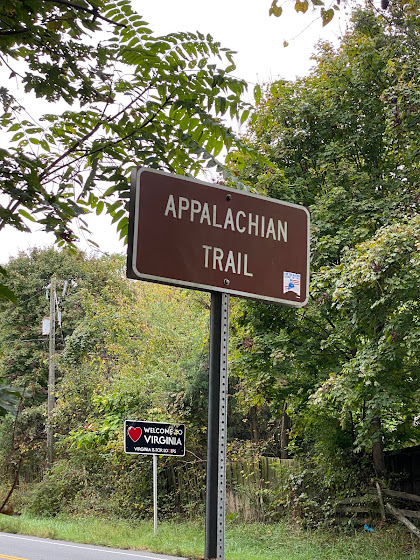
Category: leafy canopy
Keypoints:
(344, 142)
(133, 99)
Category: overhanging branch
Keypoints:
(92, 11)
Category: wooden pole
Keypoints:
(51, 376)
(396, 513)
(403, 495)
(381, 501)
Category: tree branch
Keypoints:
(13, 485)
(92, 11)
(14, 32)
(109, 119)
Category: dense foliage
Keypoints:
(345, 142)
(123, 350)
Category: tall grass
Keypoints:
(255, 541)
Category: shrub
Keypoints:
(57, 490)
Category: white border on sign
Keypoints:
(135, 177)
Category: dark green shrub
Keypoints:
(57, 491)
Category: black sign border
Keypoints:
(151, 453)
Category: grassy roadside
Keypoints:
(243, 542)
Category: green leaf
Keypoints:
(244, 116)
(17, 136)
(99, 207)
(124, 231)
(112, 207)
(110, 191)
(6, 293)
(257, 94)
(45, 145)
(117, 216)
(122, 224)
(90, 180)
(327, 16)
(26, 215)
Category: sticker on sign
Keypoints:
(192, 234)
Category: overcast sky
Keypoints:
(241, 25)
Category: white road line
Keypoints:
(51, 541)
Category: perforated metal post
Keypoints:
(217, 427)
(221, 508)
(155, 492)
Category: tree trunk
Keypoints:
(255, 430)
(378, 448)
(284, 433)
(3, 505)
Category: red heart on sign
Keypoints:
(134, 433)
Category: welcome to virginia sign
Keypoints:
(154, 438)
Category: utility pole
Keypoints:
(51, 374)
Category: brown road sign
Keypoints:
(203, 236)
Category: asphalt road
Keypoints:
(21, 547)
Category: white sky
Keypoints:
(241, 25)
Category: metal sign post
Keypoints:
(221, 486)
(155, 515)
(217, 427)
